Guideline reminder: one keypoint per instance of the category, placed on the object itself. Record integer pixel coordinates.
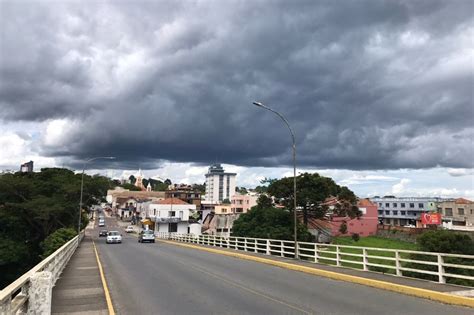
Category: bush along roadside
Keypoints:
(442, 241)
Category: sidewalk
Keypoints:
(409, 282)
(79, 290)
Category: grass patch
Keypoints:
(371, 241)
(375, 241)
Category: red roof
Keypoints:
(462, 201)
(171, 201)
(365, 203)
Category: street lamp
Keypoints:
(82, 188)
(294, 170)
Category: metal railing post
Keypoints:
(338, 256)
(245, 244)
(364, 259)
(316, 255)
(441, 278)
(282, 249)
(268, 248)
(397, 264)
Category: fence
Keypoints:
(31, 293)
(438, 267)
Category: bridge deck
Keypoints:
(80, 290)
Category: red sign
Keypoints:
(431, 218)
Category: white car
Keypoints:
(113, 237)
(129, 229)
(101, 223)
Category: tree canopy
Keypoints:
(312, 191)
(33, 206)
(265, 221)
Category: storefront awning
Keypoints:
(146, 221)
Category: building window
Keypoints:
(172, 227)
(394, 204)
(387, 205)
(461, 211)
(412, 205)
(420, 205)
(395, 212)
(402, 205)
(403, 212)
(448, 212)
(380, 212)
(380, 204)
(224, 210)
(171, 213)
(387, 212)
(181, 215)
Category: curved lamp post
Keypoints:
(294, 170)
(82, 187)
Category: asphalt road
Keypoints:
(166, 279)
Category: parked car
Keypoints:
(113, 237)
(146, 236)
(103, 233)
(129, 229)
(101, 223)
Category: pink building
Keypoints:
(243, 203)
(366, 225)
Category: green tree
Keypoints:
(312, 191)
(34, 205)
(268, 222)
(226, 201)
(130, 187)
(200, 187)
(56, 240)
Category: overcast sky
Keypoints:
(379, 93)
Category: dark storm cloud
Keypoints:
(365, 85)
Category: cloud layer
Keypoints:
(365, 84)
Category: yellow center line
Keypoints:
(104, 283)
(235, 284)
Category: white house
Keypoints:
(170, 215)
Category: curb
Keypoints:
(413, 291)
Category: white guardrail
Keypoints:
(32, 292)
(439, 266)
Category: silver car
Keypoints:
(146, 236)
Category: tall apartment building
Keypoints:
(219, 184)
(400, 211)
(26, 167)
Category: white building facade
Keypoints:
(401, 211)
(170, 215)
(219, 184)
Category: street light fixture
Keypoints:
(294, 170)
(82, 188)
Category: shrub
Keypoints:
(55, 240)
(343, 228)
(355, 237)
(443, 241)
